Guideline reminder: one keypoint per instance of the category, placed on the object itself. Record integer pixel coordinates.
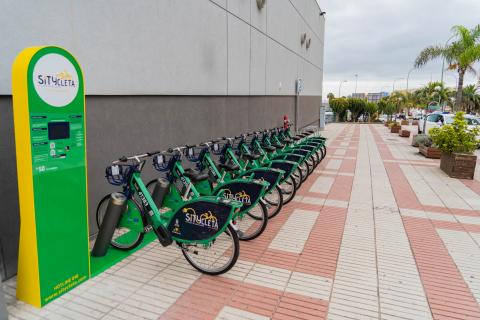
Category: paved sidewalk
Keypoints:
(376, 232)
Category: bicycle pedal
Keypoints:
(240, 233)
(147, 228)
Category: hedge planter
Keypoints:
(405, 123)
(395, 129)
(404, 133)
(458, 165)
(430, 152)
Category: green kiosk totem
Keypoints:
(49, 114)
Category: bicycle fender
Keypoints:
(200, 220)
(244, 191)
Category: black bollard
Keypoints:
(116, 206)
(160, 191)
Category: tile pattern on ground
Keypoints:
(376, 232)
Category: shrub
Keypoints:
(339, 107)
(356, 107)
(455, 137)
(422, 139)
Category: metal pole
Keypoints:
(394, 83)
(322, 118)
(408, 76)
(297, 101)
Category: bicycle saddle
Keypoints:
(269, 148)
(228, 166)
(288, 140)
(302, 135)
(251, 156)
(296, 138)
(278, 145)
(196, 176)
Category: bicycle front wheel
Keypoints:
(123, 237)
(217, 257)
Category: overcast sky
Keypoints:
(380, 39)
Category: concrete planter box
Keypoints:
(430, 152)
(404, 133)
(459, 165)
(395, 129)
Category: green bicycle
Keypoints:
(201, 227)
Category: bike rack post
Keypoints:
(116, 206)
(160, 191)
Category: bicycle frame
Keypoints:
(154, 218)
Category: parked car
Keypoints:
(417, 116)
(383, 118)
(438, 119)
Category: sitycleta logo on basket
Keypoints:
(206, 219)
(241, 196)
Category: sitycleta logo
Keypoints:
(206, 219)
(61, 79)
(241, 196)
(55, 79)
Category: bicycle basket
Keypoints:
(160, 162)
(118, 174)
(219, 148)
(194, 154)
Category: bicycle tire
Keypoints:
(236, 251)
(263, 223)
(278, 206)
(290, 195)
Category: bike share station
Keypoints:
(49, 115)
(50, 137)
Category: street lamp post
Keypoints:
(408, 76)
(394, 83)
(340, 88)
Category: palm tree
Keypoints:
(460, 55)
(471, 99)
(398, 99)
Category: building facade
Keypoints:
(160, 73)
(376, 96)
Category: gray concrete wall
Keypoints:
(124, 125)
(165, 47)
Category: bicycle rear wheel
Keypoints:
(252, 223)
(298, 176)
(123, 237)
(289, 189)
(216, 258)
(274, 201)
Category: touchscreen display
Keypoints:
(58, 130)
